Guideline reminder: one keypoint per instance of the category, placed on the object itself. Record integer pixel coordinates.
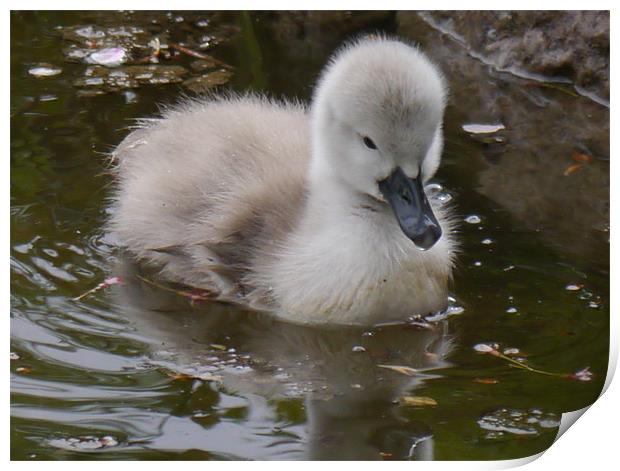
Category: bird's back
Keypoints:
(212, 187)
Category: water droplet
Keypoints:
(573, 287)
(358, 349)
(130, 97)
(455, 310)
(487, 241)
(478, 263)
(444, 198)
(511, 310)
(473, 219)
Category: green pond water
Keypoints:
(136, 372)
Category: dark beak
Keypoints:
(412, 209)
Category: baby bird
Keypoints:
(316, 215)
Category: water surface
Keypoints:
(135, 372)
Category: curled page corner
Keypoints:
(568, 419)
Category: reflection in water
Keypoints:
(101, 378)
(350, 402)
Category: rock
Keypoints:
(545, 124)
(572, 45)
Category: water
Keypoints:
(135, 372)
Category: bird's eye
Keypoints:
(369, 143)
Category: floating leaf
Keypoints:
(26, 370)
(201, 65)
(486, 380)
(572, 169)
(208, 81)
(581, 157)
(417, 401)
(217, 346)
(129, 76)
(405, 370)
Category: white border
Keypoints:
(592, 441)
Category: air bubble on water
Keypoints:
(473, 219)
(453, 309)
(130, 97)
(585, 294)
(517, 422)
(436, 192)
(512, 310)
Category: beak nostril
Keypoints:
(405, 195)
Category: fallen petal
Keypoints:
(110, 57)
(483, 348)
(582, 375)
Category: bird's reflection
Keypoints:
(350, 401)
